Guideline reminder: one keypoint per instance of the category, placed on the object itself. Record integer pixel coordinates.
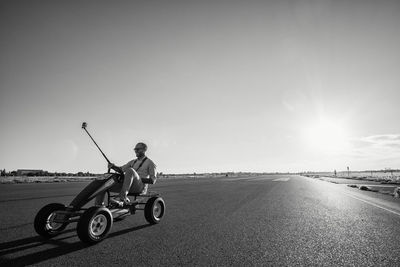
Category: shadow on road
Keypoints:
(62, 247)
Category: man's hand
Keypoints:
(111, 165)
(114, 167)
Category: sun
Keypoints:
(327, 136)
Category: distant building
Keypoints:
(24, 172)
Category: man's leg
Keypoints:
(137, 185)
(131, 183)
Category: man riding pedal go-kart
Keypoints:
(95, 222)
(137, 173)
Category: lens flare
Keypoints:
(327, 136)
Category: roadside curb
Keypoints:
(395, 194)
(368, 188)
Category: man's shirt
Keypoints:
(147, 170)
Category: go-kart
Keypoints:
(94, 223)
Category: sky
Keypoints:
(210, 86)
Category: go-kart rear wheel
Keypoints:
(154, 210)
(44, 221)
(94, 225)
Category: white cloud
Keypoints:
(382, 141)
(383, 149)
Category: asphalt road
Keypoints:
(259, 221)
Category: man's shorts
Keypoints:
(137, 187)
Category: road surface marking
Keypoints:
(281, 180)
(249, 179)
(373, 204)
(236, 179)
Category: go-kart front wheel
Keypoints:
(94, 225)
(44, 221)
(154, 210)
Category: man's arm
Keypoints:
(114, 167)
(121, 169)
(152, 174)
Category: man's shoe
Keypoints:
(116, 202)
(119, 202)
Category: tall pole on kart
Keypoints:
(84, 125)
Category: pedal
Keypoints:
(114, 206)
